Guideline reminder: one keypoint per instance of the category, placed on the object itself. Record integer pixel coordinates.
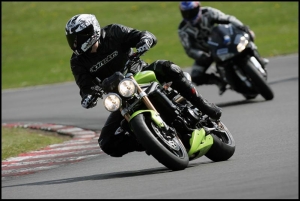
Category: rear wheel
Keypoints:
(224, 145)
(169, 151)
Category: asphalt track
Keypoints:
(265, 164)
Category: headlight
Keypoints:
(127, 88)
(242, 44)
(112, 102)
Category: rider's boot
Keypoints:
(213, 79)
(188, 90)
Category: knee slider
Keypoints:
(106, 148)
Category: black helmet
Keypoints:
(190, 11)
(82, 32)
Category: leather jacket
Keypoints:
(115, 45)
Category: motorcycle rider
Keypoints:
(193, 32)
(103, 51)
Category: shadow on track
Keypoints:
(112, 175)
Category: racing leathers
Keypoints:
(115, 46)
(194, 41)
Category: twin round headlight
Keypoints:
(126, 88)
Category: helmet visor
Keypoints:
(190, 14)
(77, 39)
(72, 40)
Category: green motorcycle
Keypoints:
(168, 126)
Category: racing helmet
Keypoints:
(190, 11)
(82, 32)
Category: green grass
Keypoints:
(19, 140)
(35, 50)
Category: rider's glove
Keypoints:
(96, 89)
(247, 29)
(89, 101)
(144, 45)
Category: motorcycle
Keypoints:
(237, 63)
(168, 126)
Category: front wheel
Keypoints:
(258, 81)
(169, 151)
(223, 146)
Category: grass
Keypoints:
(20, 140)
(35, 50)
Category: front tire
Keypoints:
(258, 81)
(169, 152)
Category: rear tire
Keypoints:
(223, 147)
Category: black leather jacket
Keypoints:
(115, 45)
(194, 38)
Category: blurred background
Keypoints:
(35, 49)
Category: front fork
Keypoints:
(151, 109)
(144, 98)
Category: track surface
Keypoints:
(265, 164)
